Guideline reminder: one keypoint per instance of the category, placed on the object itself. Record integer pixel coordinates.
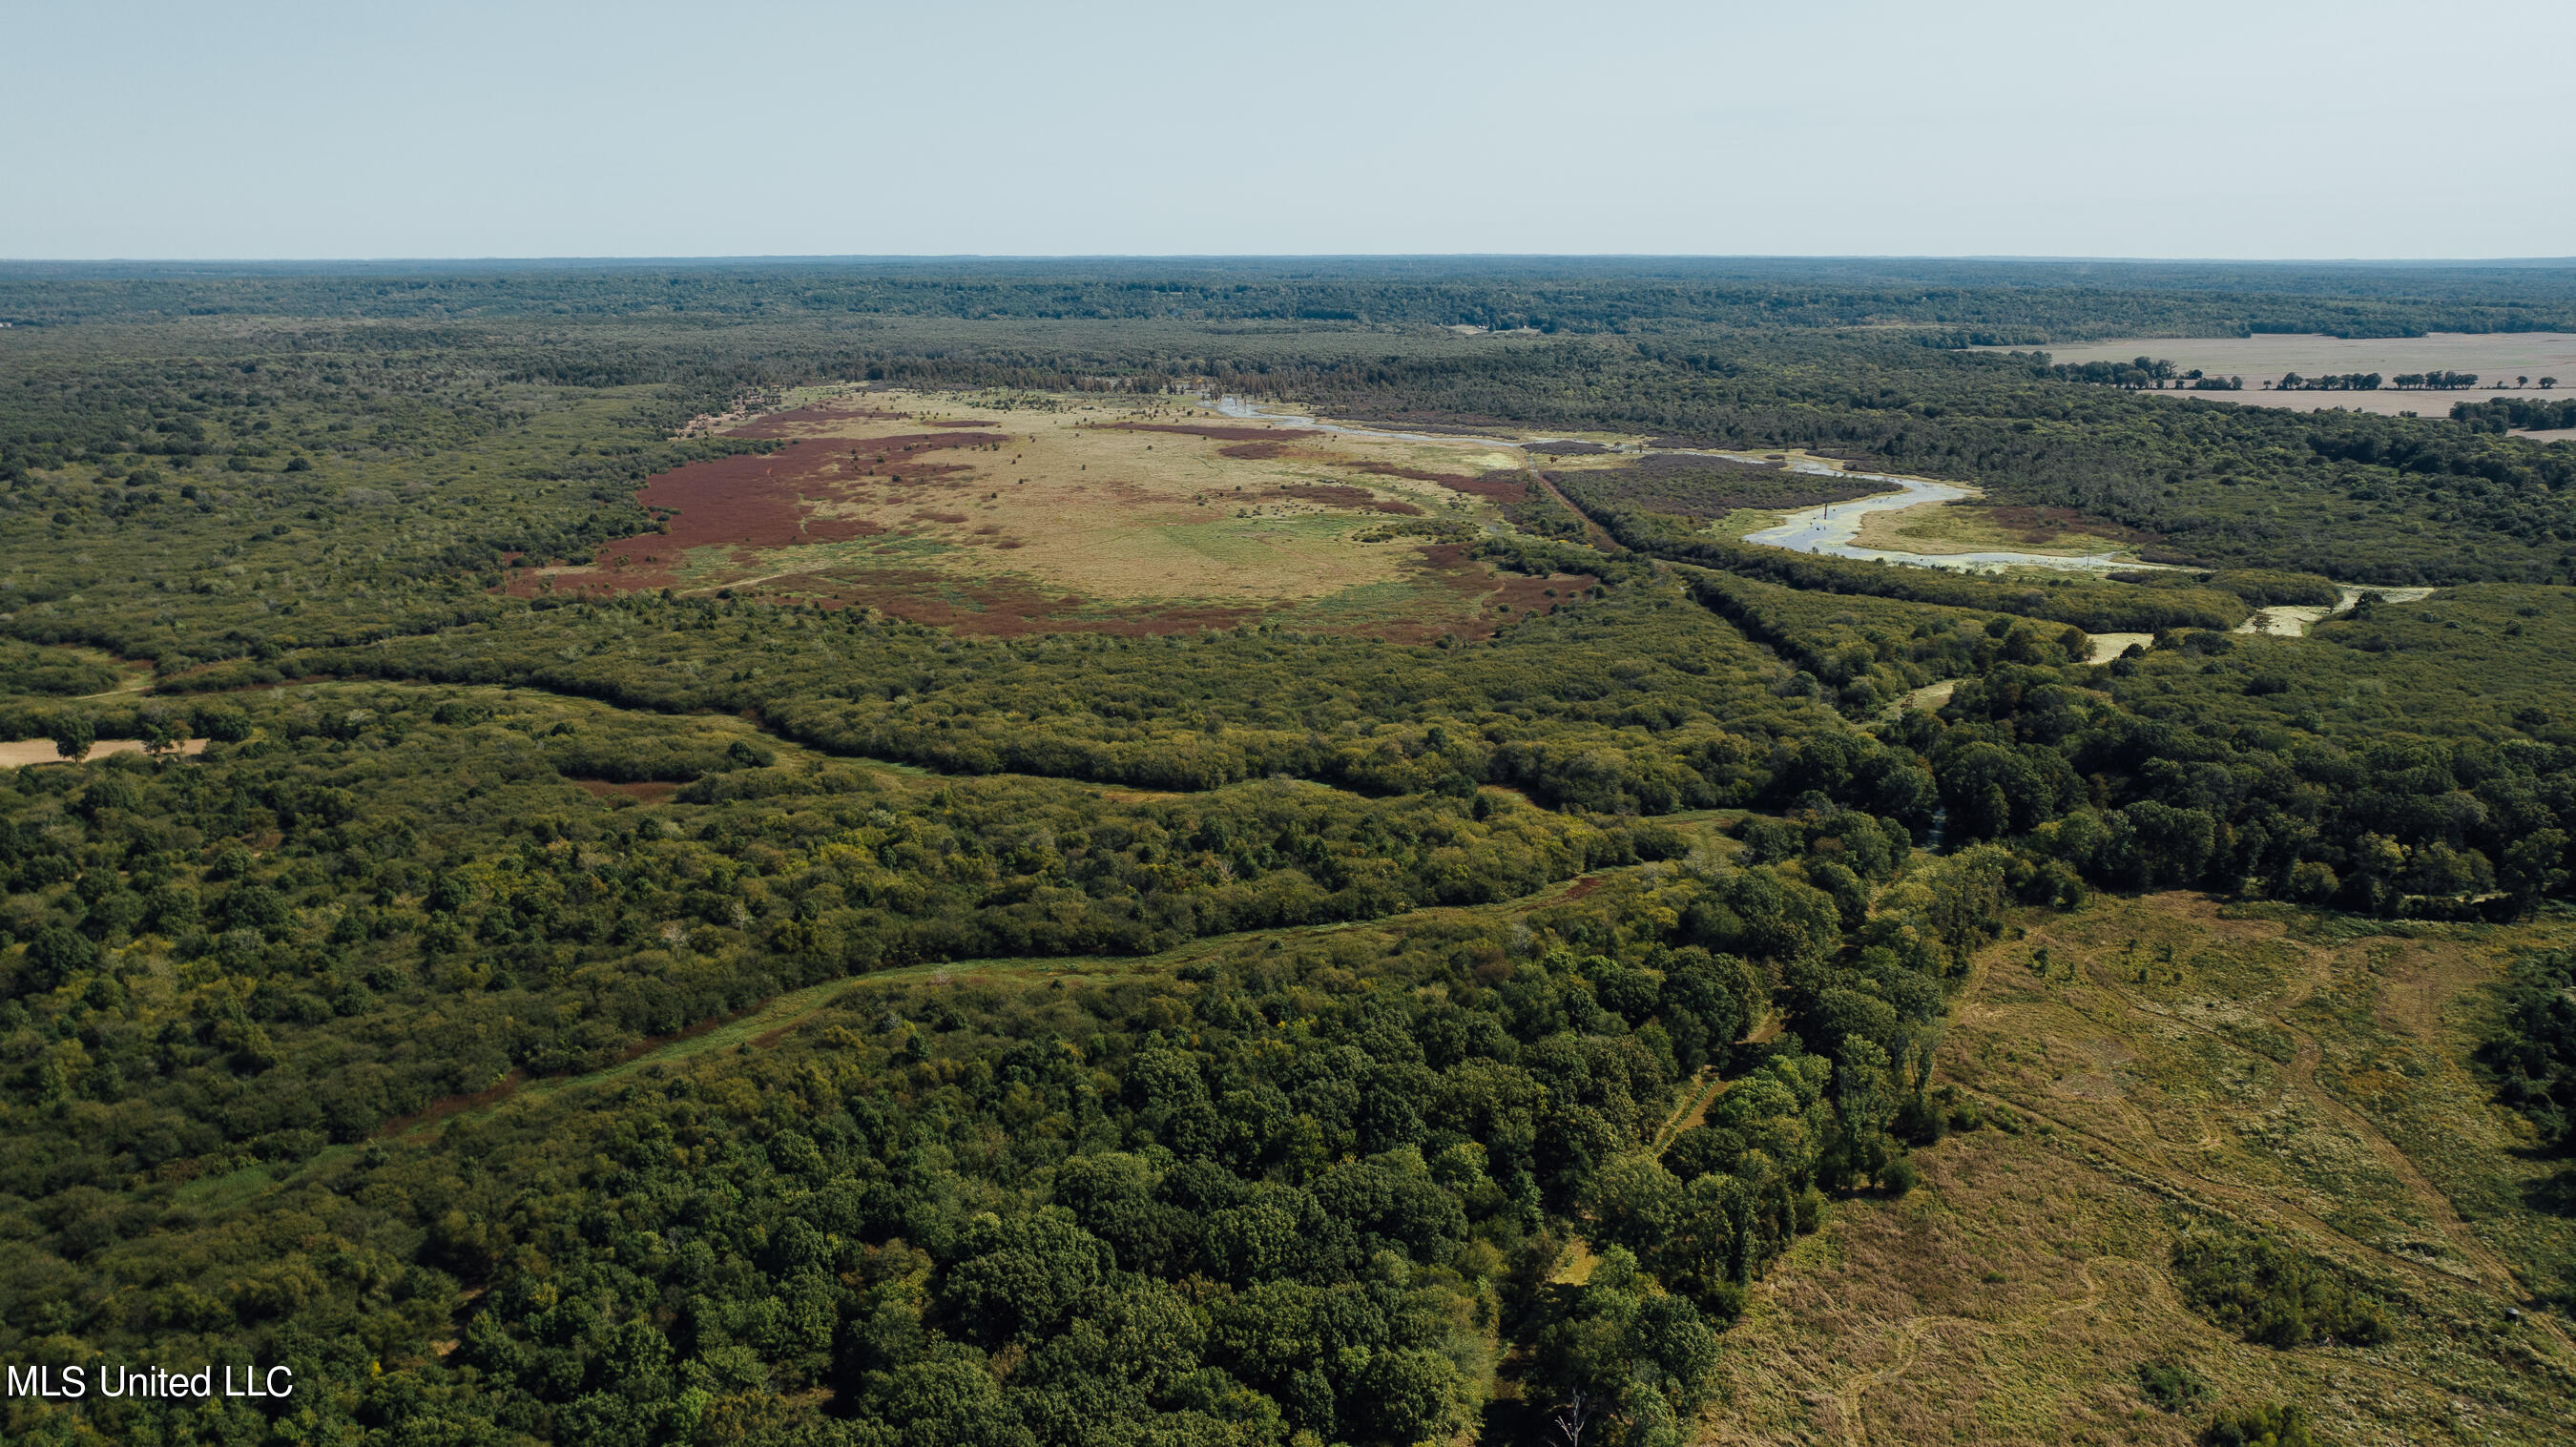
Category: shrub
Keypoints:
(2271, 1294)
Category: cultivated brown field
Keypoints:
(2259, 359)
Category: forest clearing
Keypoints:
(998, 514)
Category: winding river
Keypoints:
(1831, 530)
(1834, 528)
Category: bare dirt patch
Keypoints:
(42, 751)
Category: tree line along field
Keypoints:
(678, 934)
(2370, 375)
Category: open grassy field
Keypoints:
(2488, 354)
(2492, 357)
(994, 512)
(2168, 1065)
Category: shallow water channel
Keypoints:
(1830, 529)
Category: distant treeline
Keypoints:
(2526, 413)
(2145, 373)
(1968, 303)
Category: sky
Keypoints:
(539, 128)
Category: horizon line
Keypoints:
(886, 258)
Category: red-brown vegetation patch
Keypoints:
(1502, 487)
(889, 452)
(1216, 432)
(750, 503)
(1336, 494)
(1703, 462)
(805, 421)
(1493, 596)
(1252, 451)
(2039, 524)
(1417, 474)
(650, 792)
(1582, 887)
(968, 422)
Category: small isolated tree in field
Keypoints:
(72, 736)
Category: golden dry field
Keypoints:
(2490, 356)
(2165, 1064)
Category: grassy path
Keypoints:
(767, 1023)
(2150, 1163)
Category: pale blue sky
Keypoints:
(211, 130)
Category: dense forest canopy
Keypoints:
(693, 1015)
(2003, 301)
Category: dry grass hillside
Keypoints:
(2163, 1066)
